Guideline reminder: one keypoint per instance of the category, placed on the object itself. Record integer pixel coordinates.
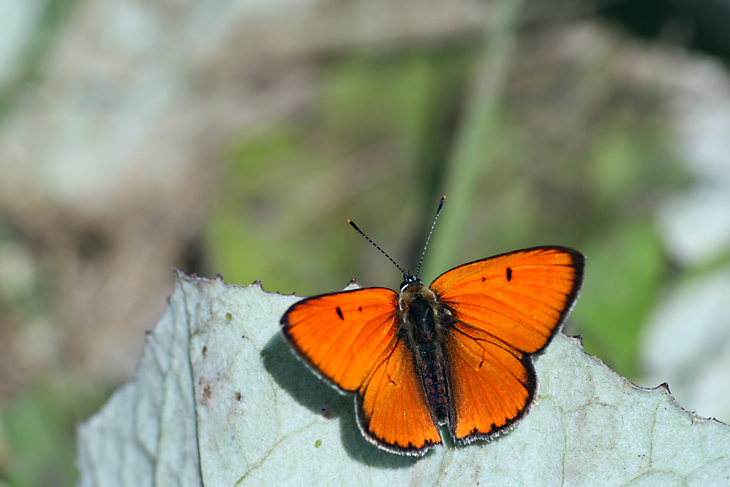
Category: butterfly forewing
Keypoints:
(344, 335)
(519, 298)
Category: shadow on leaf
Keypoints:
(292, 375)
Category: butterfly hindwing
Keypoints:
(491, 386)
(392, 408)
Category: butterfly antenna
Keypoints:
(438, 212)
(376, 246)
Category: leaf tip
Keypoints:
(257, 283)
(353, 284)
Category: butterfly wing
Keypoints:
(350, 339)
(343, 335)
(505, 308)
(392, 409)
(491, 387)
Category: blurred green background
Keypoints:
(238, 137)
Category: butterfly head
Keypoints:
(409, 280)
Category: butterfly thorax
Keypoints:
(423, 322)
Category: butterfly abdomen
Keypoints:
(422, 325)
(430, 366)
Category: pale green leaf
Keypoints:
(220, 400)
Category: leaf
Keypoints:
(220, 400)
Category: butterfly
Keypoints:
(455, 353)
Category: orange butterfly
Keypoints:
(455, 353)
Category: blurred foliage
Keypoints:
(38, 429)
(380, 128)
(623, 280)
(54, 13)
(698, 25)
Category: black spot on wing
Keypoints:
(339, 313)
(509, 274)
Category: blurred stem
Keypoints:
(475, 137)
